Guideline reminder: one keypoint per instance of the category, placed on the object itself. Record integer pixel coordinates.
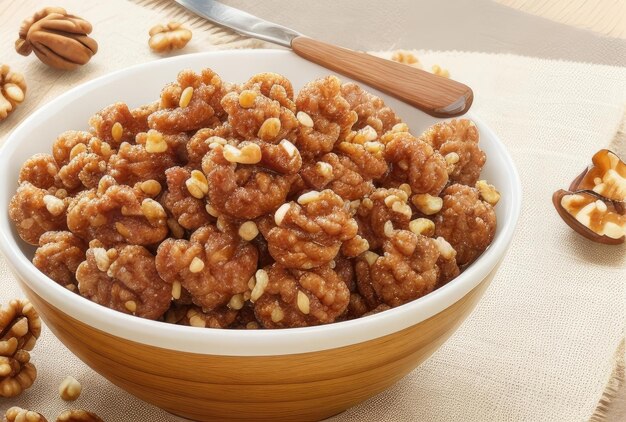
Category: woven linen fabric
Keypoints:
(539, 345)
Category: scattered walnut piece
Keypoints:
(172, 36)
(17, 414)
(12, 90)
(70, 389)
(20, 327)
(592, 215)
(406, 57)
(75, 415)
(59, 39)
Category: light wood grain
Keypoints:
(299, 387)
(435, 95)
(607, 17)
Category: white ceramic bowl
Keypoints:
(141, 84)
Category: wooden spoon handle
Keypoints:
(435, 95)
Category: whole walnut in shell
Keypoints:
(58, 39)
(12, 90)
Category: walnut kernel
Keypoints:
(168, 37)
(12, 90)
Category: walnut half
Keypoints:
(58, 39)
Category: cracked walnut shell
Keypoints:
(12, 90)
(168, 37)
(58, 39)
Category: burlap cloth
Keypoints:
(540, 345)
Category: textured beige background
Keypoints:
(591, 109)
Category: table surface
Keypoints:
(576, 30)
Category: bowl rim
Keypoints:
(248, 342)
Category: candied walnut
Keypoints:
(221, 317)
(407, 270)
(124, 278)
(65, 143)
(40, 170)
(213, 265)
(243, 191)
(17, 414)
(86, 165)
(117, 214)
(200, 143)
(142, 113)
(457, 141)
(295, 298)
(369, 157)
(59, 255)
(35, 211)
(139, 162)
(188, 211)
(75, 415)
(339, 174)
(415, 162)
(190, 103)
(274, 86)
(309, 233)
(282, 158)
(467, 222)
(370, 109)
(324, 106)
(263, 109)
(379, 208)
(115, 124)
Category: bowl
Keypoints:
(209, 374)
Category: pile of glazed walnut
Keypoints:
(247, 206)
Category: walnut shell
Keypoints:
(58, 39)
